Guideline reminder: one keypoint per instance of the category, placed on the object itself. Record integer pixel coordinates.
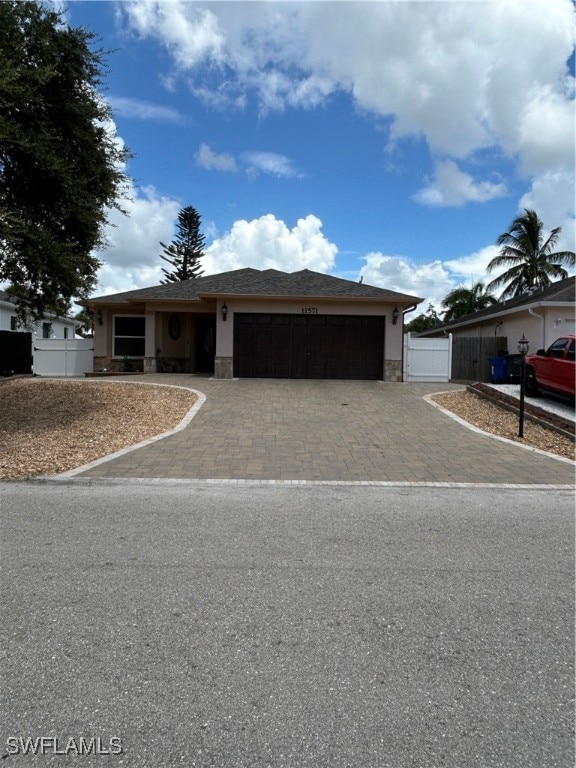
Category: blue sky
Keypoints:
(389, 140)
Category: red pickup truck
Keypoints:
(552, 369)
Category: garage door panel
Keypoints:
(308, 346)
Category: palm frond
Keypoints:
(531, 260)
(551, 241)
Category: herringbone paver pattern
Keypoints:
(263, 429)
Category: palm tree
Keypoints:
(531, 260)
(462, 301)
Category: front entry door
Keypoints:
(205, 344)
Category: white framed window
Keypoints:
(13, 323)
(65, 332)
(46, 330)
(128, 336)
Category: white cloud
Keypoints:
(267, 243)
(191, 33)
(453, 187)
(432, 281)
(428, 281)
(144, 110)
(254, 163)
(132, 256)
(552, 194)
(271, 163)
(446, 72)
(545, 130)
(210, 160)
(115, 279)
(472, 268)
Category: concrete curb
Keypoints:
(184, 482)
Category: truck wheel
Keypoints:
(530, 384)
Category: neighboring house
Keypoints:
(541, 316)
(50, 327)
(18, 345)
(255, 323)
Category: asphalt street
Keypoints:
(205, 624)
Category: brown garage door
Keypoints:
(308, 346)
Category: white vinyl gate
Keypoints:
(427, 359)
(63, 357)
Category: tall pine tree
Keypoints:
(186, 250)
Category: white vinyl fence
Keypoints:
(427, 359)
(63, 357)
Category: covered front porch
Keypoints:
(185, 343)
(159, 341)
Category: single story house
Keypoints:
(255, 323)
(541, 316)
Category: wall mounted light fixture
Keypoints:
(224, 311)
(100, 317)
(395, 315)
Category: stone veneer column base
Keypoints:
(101, 364)
(392, 370)
(149, 365)
(223, 368)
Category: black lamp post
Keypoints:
(523, 347)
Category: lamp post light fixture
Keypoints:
(395, 315)
(224, 310)
(523, 347)
(100, 317)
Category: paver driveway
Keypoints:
(270, 429)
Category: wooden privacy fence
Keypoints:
(470, 356)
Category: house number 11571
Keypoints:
(309, 310)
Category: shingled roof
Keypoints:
(560, 292)
(262, 283)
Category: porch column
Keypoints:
(150, 343)
(224, 341)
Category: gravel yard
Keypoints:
(497, 421)
(49, 425)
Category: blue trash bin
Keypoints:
(498, 369)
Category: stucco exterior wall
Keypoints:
(540, 328)
(159, 344)
(58, 324)
(225, 328)
(168, 346)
